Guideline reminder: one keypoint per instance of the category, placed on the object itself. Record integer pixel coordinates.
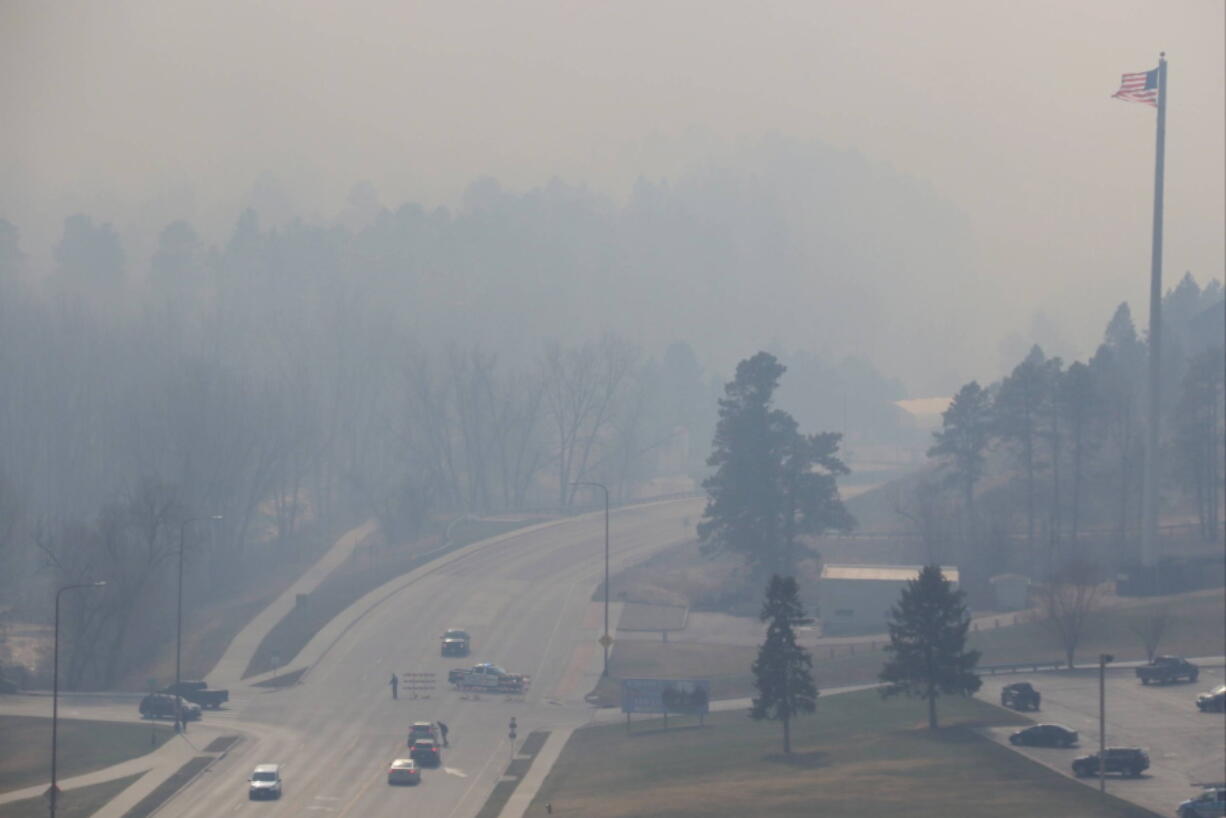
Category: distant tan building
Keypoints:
(857, 598)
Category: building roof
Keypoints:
(887, 573)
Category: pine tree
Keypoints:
(928, 656)
(771, 483)
(966, 430)
(783, 670)
(1020, 406)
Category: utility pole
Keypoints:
(605, 640)
(1103, 659)
(54, 791)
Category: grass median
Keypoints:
(83, 746)
(859, 755)
(79, 803)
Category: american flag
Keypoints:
(1142, 87)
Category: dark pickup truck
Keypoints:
(1166, 669)
(199, 693)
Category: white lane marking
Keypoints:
(554, 632)
(455, 772)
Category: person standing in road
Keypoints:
(395, 683)
(442, 729)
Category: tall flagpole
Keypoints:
(1149, 500)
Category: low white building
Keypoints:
(857, 598)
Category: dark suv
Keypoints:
(1130, 761)
(1019, 696)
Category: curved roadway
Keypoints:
(526, 601)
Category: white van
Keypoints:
(265, 782)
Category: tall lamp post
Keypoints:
(179, 622)
(54, 792)
(1103, 659)
(605, 640)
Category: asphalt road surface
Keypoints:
(1186, 747)
(526, 602)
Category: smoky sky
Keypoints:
(132, 110)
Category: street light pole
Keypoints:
(179, 622)
(55, 691)
(1103, 659)
(605, 640)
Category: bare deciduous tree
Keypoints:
(1070, 596)
(1150, 628)
(581, 386)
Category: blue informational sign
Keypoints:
(691, 696)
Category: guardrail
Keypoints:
(1019, 667)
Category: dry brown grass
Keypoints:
(857, 756)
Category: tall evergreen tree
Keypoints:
(927, 650)
(966, 429)
(1018, 413)
(1199, 435)
(1081, 410)
(771, 483)
(1118, 369)
(783, 671)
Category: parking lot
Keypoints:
(1186, 747)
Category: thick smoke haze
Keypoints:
(985, 163)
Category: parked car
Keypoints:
(163, 706)
(265, 782)
(422, 729)
(1212, 702)
(199, 693)
(1131, 761)
(404, 771)
(1210, 803)
(1020, 696)
(1045, 735)
(1166, 669)
(455, 642)
(426, 752)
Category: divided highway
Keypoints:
(526, 602)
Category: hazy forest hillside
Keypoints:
(408, 364)
(414, 365)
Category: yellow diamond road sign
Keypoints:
(605, 641)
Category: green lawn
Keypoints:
(859, 755)
(78, 803)
(25, 747)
